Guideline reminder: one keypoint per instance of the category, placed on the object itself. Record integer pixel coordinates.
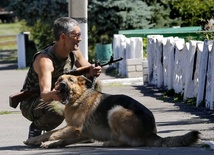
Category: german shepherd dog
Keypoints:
(115, 120)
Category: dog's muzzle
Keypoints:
(64, 90)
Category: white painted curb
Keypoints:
(124, 81)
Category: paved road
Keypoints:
(172, 119)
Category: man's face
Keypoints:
(74, 38)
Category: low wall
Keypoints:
(133, 64)
(186, 67)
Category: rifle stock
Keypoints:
(18, 97)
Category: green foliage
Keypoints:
(45, 11)
(42, 34)
(191, 11)
(177, 97)
(4, 3)
(161, 16)
(145, 41)
(107, 17)
(39, 15)
(206, 35)
(170, 92)
(191, 101)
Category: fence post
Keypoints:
(116, 45)
(122, 53)
(196, 73)
(212, 80)
(190, 69)
(168, 61)
(159, 53)
(209, 79)
(202, 74)
(152, 59)
(22, 38)
(179, 65)
(117, 51)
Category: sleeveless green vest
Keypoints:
(32, 80)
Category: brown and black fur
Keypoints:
(116, 120)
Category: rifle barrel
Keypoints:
(111, 61)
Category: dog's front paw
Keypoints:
(45, 145)
(31, 142)
(28, 142)
(51, 144)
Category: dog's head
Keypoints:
(70, 87)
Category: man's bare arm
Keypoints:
(44, 68)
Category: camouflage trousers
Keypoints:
(45, 115)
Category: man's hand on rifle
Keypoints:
(95, 71)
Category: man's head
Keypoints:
(68, 30)
(63, 25)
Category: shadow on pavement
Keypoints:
(8, 66)
(15, 147)
(202, 112)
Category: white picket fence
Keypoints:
(131, 50)
(186, 67)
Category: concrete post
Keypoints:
(78, 11)
(21, 45)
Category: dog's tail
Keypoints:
(176, 141)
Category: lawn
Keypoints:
(10, 28)
(8, 45)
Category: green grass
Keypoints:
(5, 112)
(8, 33)
(10, 28)
(8, 45)
(9, 112)
(113, 84)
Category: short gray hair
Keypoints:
(63, 25)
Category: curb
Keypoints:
(124, 81)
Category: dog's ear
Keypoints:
(84, 81)
(81, 80)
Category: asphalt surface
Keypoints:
(171, 119)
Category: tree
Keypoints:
(161, 10)
(107, 17)
(39, 10)
(191, 11)
(39, 15)
(4, 3)
(161, 17)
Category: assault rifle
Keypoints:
(18, 97)
(85, 69)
